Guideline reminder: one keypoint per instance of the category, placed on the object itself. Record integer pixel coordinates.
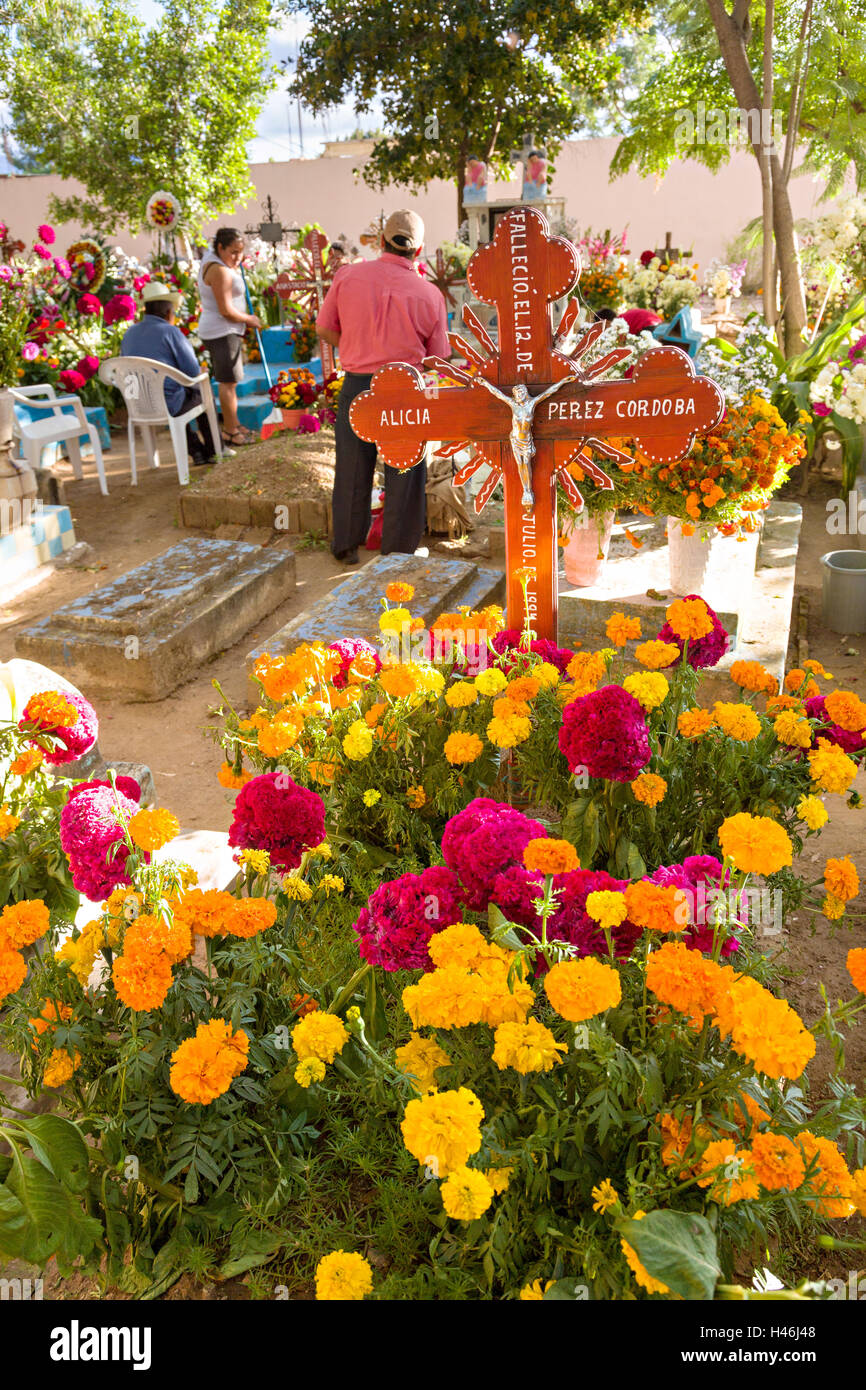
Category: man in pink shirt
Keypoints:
(378, 312)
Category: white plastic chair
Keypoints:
(140, 381)
(58, 427)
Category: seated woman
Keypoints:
(223, 322)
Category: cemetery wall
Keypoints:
(701, 209)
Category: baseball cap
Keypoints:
(405, 229)
(155, 289)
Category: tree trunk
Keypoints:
(731, 32)
(767, 258)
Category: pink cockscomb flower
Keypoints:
(42, 251)
(509, 640)
(92, 839)
(349, 649)
(395, 927)
(128, 786)
(309, 424)
(700, 878)
(74, 740)
(87, 367)
(485, 840)
(89, 304)
(140, 281)
(272, 812)
(703, 651)
(63, 268)
(47, 234)
(72, 380)
(119, 309)
(605, 732)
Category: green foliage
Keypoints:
(127, 109)
(43, 1182)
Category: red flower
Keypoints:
(483, 842)
(606, 733)
(89, 304)
(272, 812)
(401, 916)
(87, 367)
(119, 309)
(46, 233)
(72, 380)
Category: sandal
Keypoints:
(240, 436)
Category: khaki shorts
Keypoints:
(227, 361)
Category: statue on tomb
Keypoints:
(475, 180)
(523, 407)
(532, 159)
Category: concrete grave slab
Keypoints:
(353, 609)
(142, 635)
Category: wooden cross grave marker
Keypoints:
(309, 288)
(444, 278)
(663, 406)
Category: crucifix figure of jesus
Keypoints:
(523, 408)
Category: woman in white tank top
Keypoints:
(223, 322)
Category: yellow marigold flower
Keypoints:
(60, 1067)
(792, 729)
(416, 797)
(258, 860)
(507, 733)
(499, 1179)
(331, 883)
(296, 888)
(847, 710)
(343, 1277)
(371, 796)
(778, 1162)
(580, 989)
(319, 1035)
(358, 742)
(621, 629)
(150, 830)
(604, 1196)
(27, 762)
(546, 674)
(586, 670)
(420, 1058)
(829, 1178)
(694, 722)
(310, 1071)
(463, 748)
(547, 856)
(397, 681)
(8, 822)
(466, 1194)
(764, 1029)
(534, 1292)
(858, 1192)
(443, 1130)
(322, 851)
(649, 788)
(13, 971)
(393, 619)
(833, 908)
(526, 1046)
(428, 679)
(729, 1171)
(642, 1275)
(23, 923)
(656, 655)
(490, 682)
(812, 810)
(755, 844)
(204, 1066)
(398, 592)
(689, 618)
(841, 879)
(649, 688)
(460, 694)
(737, 721)
(607, 908)
(751, 675)
(856, 963)
(460, 944)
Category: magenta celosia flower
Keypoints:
(571, 922)
(89, 304)
(703, 651)
(348, 649)
(309, 424)
(63, 268)
(119, 309)
(509, 640)
(127, 785)
(41, 251)
(846, 739)
(605, 732)
(90, 832)
(482, 842)
(140, 281)
(515, 892)
(401, 916)
(700, 876)
(46, 232)
(273, 813)
(74, 741)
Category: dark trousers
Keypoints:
(405, 493)
(199, 438)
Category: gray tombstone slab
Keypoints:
(144, 634)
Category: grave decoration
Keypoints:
(533, 163)
(163, 214)
(680, 332)
(475, 181)
(306, 286)
(515, 430)
(446, 277)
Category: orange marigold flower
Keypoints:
(656, 655)
(142, 981)
(856, 963)
(622, 629)
(399, 592)
(586, 670)
(798, 683)
(150, 830)
(755, 844)
(204, 1066)
(250, 916)
(547, 856)
(729, 1171)
(522, 689)
(205, 911)
(27, 762)
(227, 777)
(397, 681)
(817, 669)
(416, 797)
(841, 879)
(846, 709)
(764, 1029)
(778, 1162)
(649, 788)
(747, 1113)
(737, 721)
(23, 923)
(827, 1176)
(689, 618)
(50, 1015)
(60, 1067)
(278, 737)
(303, 1004)
(50, 710)
(777, 703)
(751, 675)
(323, 773)
(148, 935)
(580, 989)
(13, 971)
(694, 722)
(463, 748)
(685, 979)
(657, 908)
